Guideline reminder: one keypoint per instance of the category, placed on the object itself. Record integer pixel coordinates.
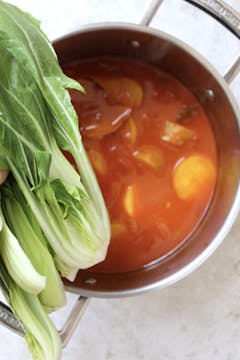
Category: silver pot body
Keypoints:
(162, 50)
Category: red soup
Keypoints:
(154, 154)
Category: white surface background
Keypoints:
(199, 317)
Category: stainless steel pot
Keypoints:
(184, 63)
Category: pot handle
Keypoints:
(73, 319)
(224, 13)
(8, 319)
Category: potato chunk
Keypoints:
(130, 131)
(128, 200)
(121, 90)
(177, 134)
(150, 155)
(98, 162)
(194, 176)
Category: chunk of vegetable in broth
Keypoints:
(121, 90)
(98, 130)
(98, 162)
(176, 134)
(151, 156)
(130, 131)
(125, 94)
(194, 176)
(129, 200)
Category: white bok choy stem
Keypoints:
(18, 263)
(40, 333)
(25, 227)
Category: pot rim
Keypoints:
(235, 208)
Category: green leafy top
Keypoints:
(36, 118)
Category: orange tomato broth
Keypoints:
(155, 200)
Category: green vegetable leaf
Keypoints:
(41, 62)
(73, 226)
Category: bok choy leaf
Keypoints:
(35, 112)
(34, 51)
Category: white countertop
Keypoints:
(199, 317)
